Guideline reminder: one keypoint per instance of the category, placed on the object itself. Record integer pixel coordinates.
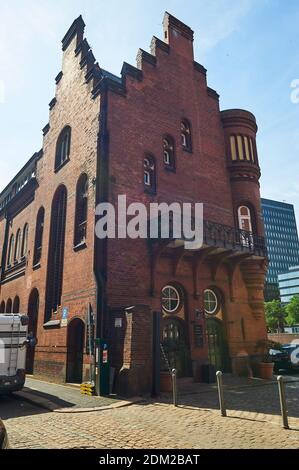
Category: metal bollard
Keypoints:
(283, 402)
(174, 387)
(220, 393)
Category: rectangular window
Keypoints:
(247, 152)
(233, 147)
(240, 147)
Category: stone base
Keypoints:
(241, 365)
(133, 381)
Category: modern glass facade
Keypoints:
(282, 241)
(289, 284)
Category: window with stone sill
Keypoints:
(38, 243)
(63, 147)
(168, 153)
(80, 232)
(25, 241)
(149, 174)
(17, 254)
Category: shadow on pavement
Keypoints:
(246, 395)
(12, 406)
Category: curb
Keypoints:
(51, 406)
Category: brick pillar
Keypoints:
(135, 375)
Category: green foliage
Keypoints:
(292, 310)
(275, 315)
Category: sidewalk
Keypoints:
(66, 398)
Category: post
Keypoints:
(283, 403)
(174, 387)
(220, 393)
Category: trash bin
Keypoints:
(208, 373)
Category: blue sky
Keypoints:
(250, 48)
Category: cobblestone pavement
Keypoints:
(65, 396)
(251, 396)
(149, 425)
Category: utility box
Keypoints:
(102, 378)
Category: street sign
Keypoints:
(65, 314)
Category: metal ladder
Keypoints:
(14, 346)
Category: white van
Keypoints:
(13, 346)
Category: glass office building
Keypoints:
(282, 242)
(289, 284)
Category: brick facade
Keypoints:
(114, 123)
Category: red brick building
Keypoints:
(155, 134)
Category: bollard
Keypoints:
(174, 387)
(283, 403)
(220, 393)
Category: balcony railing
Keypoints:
(225, 236)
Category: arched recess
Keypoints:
(16, 305)
(9, 306)
(75, 350)
(33, 308)
(2, 307)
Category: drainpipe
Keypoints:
(102, 191)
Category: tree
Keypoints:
(275, 315)
(292, 310)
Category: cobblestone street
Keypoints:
(153, 424)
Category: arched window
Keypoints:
(9, 306)
(17, 255)
(211, 303)
(39, 230)
(63, 147)
(25, 241)
(149, 174)
(168, 153)
(56, 252)
(244, 217)
(245, 224)
(186, 135)
(81, 210)
(11, 250)
(16, 305)
(2, 307)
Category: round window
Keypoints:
(210, 302)
(170, 299)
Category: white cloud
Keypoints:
(221, 18)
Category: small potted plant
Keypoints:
(266, 365)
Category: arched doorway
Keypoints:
(175, 347)
(174, 337)
(217, 350)
(33, 306)
(75, 346)
(214, 313)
